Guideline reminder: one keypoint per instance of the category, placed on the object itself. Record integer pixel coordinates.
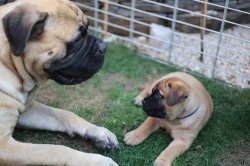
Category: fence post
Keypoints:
(173, 30)
(220, 38)
(132, 17)
(203, 24)
(105, 26)
(96, 16)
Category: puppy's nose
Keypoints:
(144, 102)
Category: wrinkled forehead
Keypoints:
(70, 18)
(65, 18)
(161, 84)
(70, 11)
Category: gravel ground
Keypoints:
(233, 66)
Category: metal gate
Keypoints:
(207, 37)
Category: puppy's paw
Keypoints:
(161, 163)
(102, 138)
(138, 101)
(132, 138)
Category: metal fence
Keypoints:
(221, 53)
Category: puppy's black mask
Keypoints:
(85, 57)
(153, 105)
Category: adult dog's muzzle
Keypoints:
(84, 58)
(153, 106)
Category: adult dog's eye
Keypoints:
(78, 38)
(82, 34)
(83, 31)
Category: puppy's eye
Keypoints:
(184, 97)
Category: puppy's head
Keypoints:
(168, 99)
(51, 37)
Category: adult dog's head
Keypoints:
(168, 99)
(51, 37)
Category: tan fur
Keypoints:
(183, 131)
(21, 77)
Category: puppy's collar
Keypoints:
(192, 113)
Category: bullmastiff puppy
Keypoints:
(177, 102)
(41, 40)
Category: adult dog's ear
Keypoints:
(21, 24)
(3, 2)
(178, 91)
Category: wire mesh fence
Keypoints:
(207, 37)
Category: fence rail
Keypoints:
(225, 52)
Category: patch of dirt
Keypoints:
(88, 97)
(110, 78)
(83, 96)
(239, 156)
(155, 75)
(150, 79)
(46, 94)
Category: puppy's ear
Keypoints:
(178, 91)
(21, 24)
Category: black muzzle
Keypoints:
(153, 106)
(84, 58)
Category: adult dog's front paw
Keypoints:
(132, 138)
(102, 138)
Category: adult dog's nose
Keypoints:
(102, 47)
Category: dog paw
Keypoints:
(161, 163)
(102, 138)
(138, 101)
(132, 138)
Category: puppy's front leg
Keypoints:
(142, 132)
(175, 149)
(39, 116)
(144, 93)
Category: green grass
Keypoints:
(106, 100)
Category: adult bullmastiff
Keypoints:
(177, 102)
(41, 40)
